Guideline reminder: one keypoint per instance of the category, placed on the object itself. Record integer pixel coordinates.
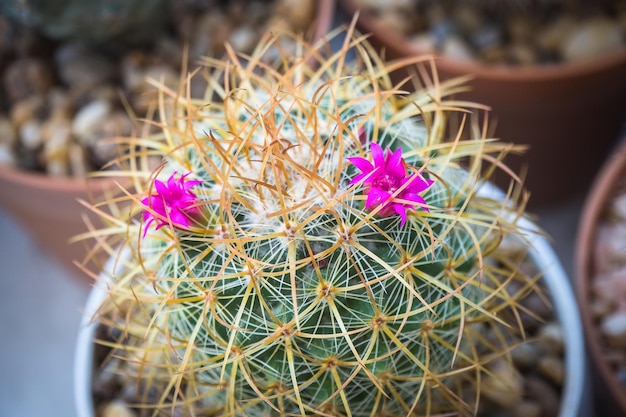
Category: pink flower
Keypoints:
(173, 202)
(386, 183)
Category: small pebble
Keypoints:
(525, 355)
(57, 166)
(101, 142)
(618, 207)
(398, 14)
(56, 135)
(613, 327)
(88, 118)
(535, 308)
(444, 30)
(544, 394)
(77, 160)
(117, 409)
(26, 109)
(610, 250)
(551, 339)
(468, 18)
(503, 385)
(552, 37)
(487, 37)
(60, 103)
(423, 43)
(593, 38)
(523, 54)
(600, 307)
(211, 32)
(527, 408)
(8, 135)
(7, 156)
(553, 369)
(455, 48)
(243, 38)
(616, 358)
(298, 13)
(610, 288)
(82, 69)
(30, 134)
(25, 77)
(521, 29)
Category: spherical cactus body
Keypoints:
(313, 241)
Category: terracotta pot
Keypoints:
(48, 210)
(611, 397)
(568, 114)
(325, 18)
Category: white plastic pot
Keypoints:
(576, 400)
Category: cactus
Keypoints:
(312, 241)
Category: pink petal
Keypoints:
(377, 155)
(401, 211)
(178, 217)
(158, 205)
(376, 197)
(410, 196)
(190, 184)
(395, 164)
(147, 226)
(417, 183)
(358, 178)
(362, 164)
(421, 202)
(171, 181)
(160, 187)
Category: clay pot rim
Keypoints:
(600, 194)
(324, 16)
(394, 41)
(37, 180)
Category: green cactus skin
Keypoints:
(286, 296)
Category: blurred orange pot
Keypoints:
(569, 115)
(609, 181)
(48, 209)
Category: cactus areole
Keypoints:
(312, 242)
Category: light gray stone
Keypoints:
(613, 327)
(592, 38)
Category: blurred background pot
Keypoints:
(49, 211)
(600, 284)
(568, 113)
(61, 83)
